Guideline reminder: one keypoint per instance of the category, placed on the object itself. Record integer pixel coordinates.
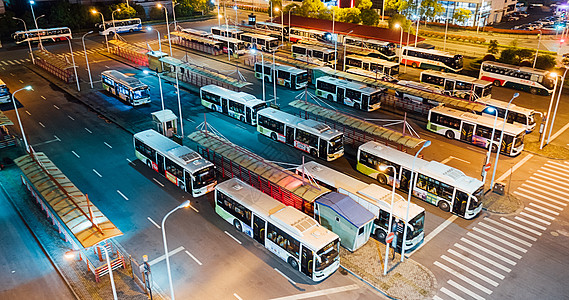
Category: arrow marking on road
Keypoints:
(161, 258)
(193, 257)
(152, 221)
(122, 195)
(97, 173)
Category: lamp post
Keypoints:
(174, 14)
(159, 40)
(236, 17)
(294, 7)
(254, 52)
(86, 59)
(274, 75)
(556, 105)
(104, 27)
(179, 105)
(227, 28)
(28, 88)
(397, 25)
(70, 254)
(74, 66)
(479, 16)
(114, 25)
(412, 181)
(35, 20)
(159, 85)
(490, 108)
(336, 38)
(537, 50)
(282, 25)
(167, 25)
(390, 215)
(183, 205)
(417, 31)
(345, 36)
(29, 43)
(549, 109)
(501, 137)
(446, 30)
(39, 18)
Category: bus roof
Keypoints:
(309, 125)
(350, 84)
(378, 61)
(456, 76)
(226, 39)
(503, 104)
(130, 81)
(259, 36)
(485, 120)
(512, 67)
(269, 24)
(432, 51)
(378, 42)
(287, 68)
(227, 28)
(312, 47)
(240, 97)
(186, 157)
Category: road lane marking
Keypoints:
(70, 117)
(43, 97)
(451, 294)
(515, 167)
(129, 161)
(237, 296)
(190, 120)
(77, 155)
(291, 281)
(97, 173)
(193, 257)
(486, 241)
(12, 74)
(163, 257)
(158, 182)
(477, 264)
(464, 290)
(521, 226)
(28, 113)
(41, 124)
(56, 106)
(529, 222)
(56, 138)
(152, 221)
(497, 238)
(539, 213)
(195, 209)
(89, 131)
(463, 278)
(528, 244)
(469, 270)
(122, 195)
(484, 249)
(527, 236)
(482, 257)
(433, 233)
(108, 145)
(234, 238)
(559, 132)
(21, 81)
(314, 294)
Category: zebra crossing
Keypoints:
(485, 256)
(14, 62)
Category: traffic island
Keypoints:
(501, 204)
(404, 280)
(553, 151)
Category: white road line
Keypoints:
(43, 97)
(558, 167)
(444, 161)
(463, 278)
(56, 138)
(539, 213)
(152, 221)
(163, 257)
(234, 238)
(56, 106)
(190, 120)
(195, 209)
(521, 226)
(469, 270)
(482, 257)
(89, 131)
(70, 117)
(77, 155)
(486, 241)
(541, 171)
(433, 233)
(28, 113)
(193, 257)
(237, 296)
(528, 244)
(540, 201)
(292, 281)
(11, 62)
(536, 194)
(451, 294)
(497, 238)
(437, 298)
(559, 132)
(541, 192)
(527, 236)
(125, 198)
(160, 183)
(545, 209)
(477, 264)
(21, 81)
(562, 166)
(547, 182)
(465, 290)
(515, 167)
(129, 161)
(12, 74)
(529, 222)
(108, 145)
(97, 173)
(496, 255)
(41, 124)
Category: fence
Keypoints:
(54, 65)
(129, 52)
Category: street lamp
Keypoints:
(167, 25)
(39, 18)
(294, 7)
(412, 182)
(227, 28)
(254, 52)
(104, 27)
(159, 41)
(35, 20)
(274, 75)
(174, 14)
(71, 254)
(345, 36)
(490, 109)
(86, 59)
(501, 137)
(29, 43)
(114, 25)
(236, 20)
(556, 105)
(397, 25)
(282, 25)
(185, 204)
(446, 29)
(383, 168)
(74, 66)
(552, 74)
(159, 85)
(417, 31)
(537, 50)
(28, 88)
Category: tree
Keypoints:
(545, 62)
(431, 8)
(398, 19)
(156, 13)
(369, 17)
(349, 15)
(461, 15)
(396, 5)
(126, 12)
(311, 8)
(493, 47)
(274, 4)
(140, 12)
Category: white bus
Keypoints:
(298, 34)
(374, 198)
(50, 34)
(227, 31)
(127, 88)
(350, 93)
(197, 32)
(526, 79)
(314, 54)
(516, 115)
(238, 105)
(236, 46)
(372, 74)
(373, 64)
(179, 164)
(293, 236)
(385, 50)
(476, 129)
(5, 96)
(120, 26)
(275, 28)
(458, 85)
(438, 184)
(309, 136)
(431, 59)
(260, 42)
(419, 86)
(288, 76)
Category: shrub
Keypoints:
(489, 57)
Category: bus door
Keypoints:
(259, 226)
(224, 105)
(322, 148)
(306, 261)
(289, 135)
(466, 132)
(248, 115)
(292, 82)
(188, 178)
(460, 203)
(160, 163)
(340, 94)
(449, 85)
(404, 181)
(365, 66)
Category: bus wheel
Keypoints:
(274, 136)
(450, 134)
(414, 65)
(443, 206)
(382, 179)
(131, 30)
(497, 83)
(494, 148)
(356, 106)
(313, 153)
(380, 235)
(292, 262)
(533, 91)
(330, 98)
(237, 225)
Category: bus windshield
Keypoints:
(4, 89)
(548, 82)
(476, 199)
(301, 78)
(140, 93)
(204, 177)
(374, 98)
(519, 140)
(273, 44)
(336, 144)
(328, 255)
(417, 224)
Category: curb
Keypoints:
(367, 282)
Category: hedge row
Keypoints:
(456, 37)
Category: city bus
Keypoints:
(385, 50)
(372, 74)
(291, 77)
(373, 64)
(196, 32)
(374, 198)
(314, 54)
(350, 93)
(5, 96)
(293, 236)
(431, 59)
(275, 28)
(50, 34)
(527, 79)
(457, 85)
(297, 34)
(227, 31)
(418, 86)
(238, 105)
(309, 136)
(516, 115)
(476, 129)
(260, 42)
(236, 46)
(435, 183)
(120, 26)
(179, 164)
(126, 88)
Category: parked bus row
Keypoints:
(50, 34)
(119, 26)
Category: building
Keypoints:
(484, 12)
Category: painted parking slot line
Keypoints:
(463, 278)
(193, 257)
(499, 239)
(540, 190)
(487, 242)
(444, 161)
(286, 277)
(529, 222)
(451, 294)
(496, 230)
(470, 271)
(125, 198)
(234, 238)
(43, 97)
(89, 131)
(545, 209)
(163, 257)
(56, 106)
(540, 201)
(547, 182)
(70, 117)
(553, 174)
(539, 213)
(482, 257)
(97, 173)
(484, 249)
(77, 155)
(21, 81)
(29, 114)
(527, 236)
(160, 183)
(129, 161)
(108, 145)
(476, 264)
(521, 226)
(41, 124)
(152, 221)
(237, 296)
(464, 290)
(433, 233)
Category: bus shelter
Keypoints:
(6, 139)
(54, 65)
(129, 52)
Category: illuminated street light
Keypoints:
(35, 20)
(114, 25)
(501, 137)
(27, 88)
(71, 254)
(159, 85)
(227, 28)
(384, 168)
(254, 52)
(553, 75)
(537, 50)
(159, 40)
(167, 25)
(104, 27)
(397, 25)
(282, 25)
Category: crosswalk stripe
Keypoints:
(28, 60)
(475, 263)
(486, 241)
(542, 192)
(451, 294)
(539, 201)
(11, 62)
(437, 298)
(527, 192)
(497, 238)
(5, 63)
(557, 183)
(476, 245)
(523, 213)
(528, 244)
(521, 226)
(527, 236)
(545, 183)
(482, 257)
(539, 213)
(545, 209)
(562, 168)
(553, 176)
(529, 222)
(463, 278)
(464, 290)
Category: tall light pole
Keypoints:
(114, 25)
(35, 20)
(87, 59)
(167, 25)
(294, 7)
(71, 253)
(501, 137)
(446, 31)
(417, 31)
(412, 181)
(336, 38)
(556, 105)
(254, 52)
(74, 66)
(537, 50)
(552, 74)
(179, 105)
(274, 75)
(159, 40)
(236, 20)
(39, 18)
(29, 43)
(390, 216)
(345, 36)
(479, 16)
(397, 25)
(282, 25)
(490, 145)
(228, 45)
(174, 14)
(104, 27)
(183, 205)
(159, 85)
(27, 88)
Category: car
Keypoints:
(511, 18)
